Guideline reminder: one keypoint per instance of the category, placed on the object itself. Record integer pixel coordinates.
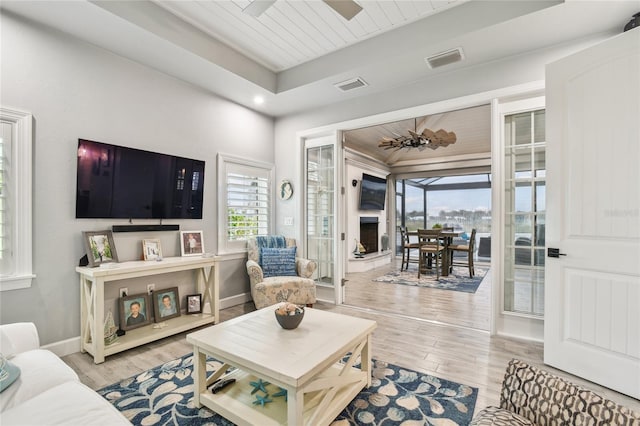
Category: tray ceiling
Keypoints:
(297, 50)
(292, 32)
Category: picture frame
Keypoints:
(191, 243)
(129, 318)
(152, 249)
(166, 304)
(99, 247)
(194, 304)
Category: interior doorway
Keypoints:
(461, 203)
(442, 185)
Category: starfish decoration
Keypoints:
(259, 386)
(261, 400)
(281, 392)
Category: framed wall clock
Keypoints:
(286, 190)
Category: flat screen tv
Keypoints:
(372, 192)
(117, 182)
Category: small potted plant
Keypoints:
(437, 226)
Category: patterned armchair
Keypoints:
(277, 274)
(531, 396)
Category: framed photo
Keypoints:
(191, 243)
(151, 249)
(194, 303)
(135, 311)
(166, 304)
(99, 247)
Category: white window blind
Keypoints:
(6, 264)
(15, 199)
(246, 205)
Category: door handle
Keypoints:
(554, 252)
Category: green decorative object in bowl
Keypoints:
(289, 316)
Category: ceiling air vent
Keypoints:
(351, 84)
(445, 58)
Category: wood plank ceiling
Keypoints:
(292, 32)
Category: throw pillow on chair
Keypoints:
(278, 262)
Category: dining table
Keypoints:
(447, 238)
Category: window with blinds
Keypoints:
(16, 144)
(5, 202)
(247, 209)
(247, 205)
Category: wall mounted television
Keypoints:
(117, 182)
(372, 192)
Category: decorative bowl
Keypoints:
(289, 316)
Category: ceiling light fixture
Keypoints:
(426, 139)
(258, 100)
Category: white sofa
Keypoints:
(47, 392)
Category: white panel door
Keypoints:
(592, 294)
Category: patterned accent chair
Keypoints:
(294, 287)
(531, 396)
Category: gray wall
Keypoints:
(76, 90)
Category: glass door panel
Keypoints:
(524, 212)
(320, 208)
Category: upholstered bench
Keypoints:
(531, 396)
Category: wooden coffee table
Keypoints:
(304, 361)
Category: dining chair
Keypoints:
(467, 248)
(407, 246)
(429, 249)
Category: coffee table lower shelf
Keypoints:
(235, 402)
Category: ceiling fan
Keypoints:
(346, 8)
(426, 139)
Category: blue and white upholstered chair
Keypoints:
(277, 274)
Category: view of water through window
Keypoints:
(461, 202)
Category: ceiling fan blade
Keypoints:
(346, 8)
(258, 7)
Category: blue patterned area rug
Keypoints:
(164, 396)
(457, 281)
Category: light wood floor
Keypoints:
(463, 355)
(471, 310)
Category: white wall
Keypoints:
(76, 90)
(423, 95)
(523, 68)
(355, 171)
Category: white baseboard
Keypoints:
(238, 299)
(64, 347)
(72, 345)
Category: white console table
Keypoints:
(93, 280)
